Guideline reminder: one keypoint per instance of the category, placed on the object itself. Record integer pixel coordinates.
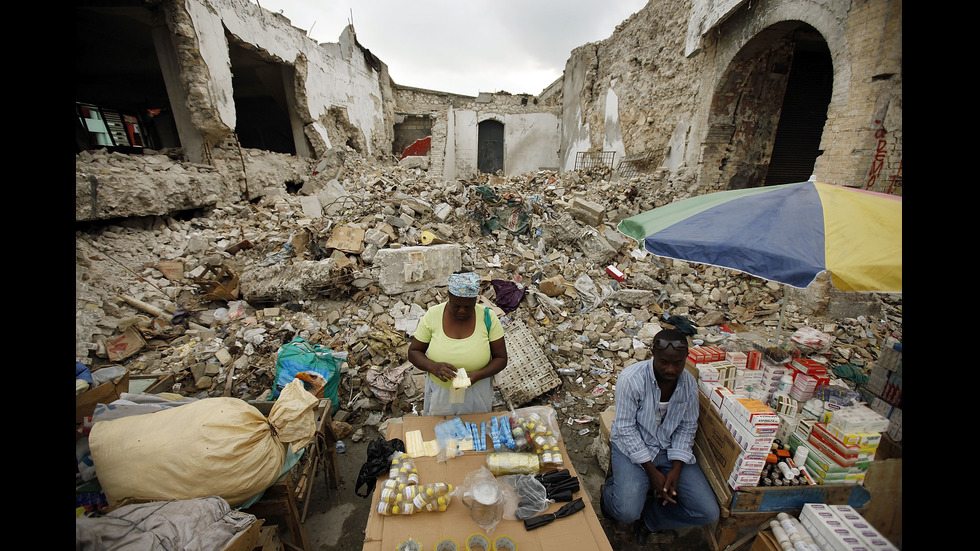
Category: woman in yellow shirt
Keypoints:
(459, 334)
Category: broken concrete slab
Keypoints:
(415, 268)
(585, 211)
(298, 281)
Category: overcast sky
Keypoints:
(462, 46)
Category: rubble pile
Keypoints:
(206, 299)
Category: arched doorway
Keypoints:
(768, 113)
(490, 146)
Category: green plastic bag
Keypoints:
(298, 356)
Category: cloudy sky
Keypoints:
(462, 46)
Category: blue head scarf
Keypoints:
(464, 285)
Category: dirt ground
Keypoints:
(336, 521)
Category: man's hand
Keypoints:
(664, 486)
(669, 492)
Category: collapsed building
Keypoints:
(223, 107)
(727, 94)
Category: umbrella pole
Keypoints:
(782, 314)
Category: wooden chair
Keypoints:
(286, 502)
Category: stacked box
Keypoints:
(726, 373)
(718, 395)
(739, 359)
(706, 373)
(864, 530)
(810, 367)
(704, 354)
(753, 426)
(751, 380)
(832, 461)
(771, 374)
(804, 387)
(859, 418)
(840, 527)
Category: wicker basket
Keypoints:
(529, 373)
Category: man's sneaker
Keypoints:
(641, 534)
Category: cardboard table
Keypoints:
(580, 531)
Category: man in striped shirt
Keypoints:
(654, 482)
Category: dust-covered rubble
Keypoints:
(298, 275)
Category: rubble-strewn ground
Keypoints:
(583, 319)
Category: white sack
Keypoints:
(213, 447)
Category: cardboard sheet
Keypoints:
(580, 531)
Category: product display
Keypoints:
(403, 469)
(501, 464)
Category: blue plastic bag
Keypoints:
(298, 356)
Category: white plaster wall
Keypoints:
(335, 77)
(466, 136)
(214, 52)
(705, 14)
(574, 132)
(530, 142)
(612, 138)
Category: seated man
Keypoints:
(654, 481)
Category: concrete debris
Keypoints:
(344, 265)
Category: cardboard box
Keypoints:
(765, 541)
(103, 394)
(605, 423)
(581, 531)
(719, 442)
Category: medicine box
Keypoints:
(753, 412)
(838, 526)
(862, 527)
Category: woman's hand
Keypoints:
(416, 354)
(444, 371)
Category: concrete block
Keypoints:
(585, 211)
(311, 206)
(376, 237)
(596, 248)
(415, 268)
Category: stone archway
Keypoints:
(768, 111)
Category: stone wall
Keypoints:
(715, 111)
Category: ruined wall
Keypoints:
(697, 86)
(338, 86)
(863, 137)
(531, 129)
(336, 95)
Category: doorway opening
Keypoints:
(768, 112)
(261, 105)
(490, 146)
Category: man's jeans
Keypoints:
(625, 495)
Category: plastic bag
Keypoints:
(298, 356)
(481, 494)
(452, 439)
(532, 497)
(403, 469)
(378, 463)
(539, 427)
(500, 464)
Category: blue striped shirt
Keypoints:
(635, 430)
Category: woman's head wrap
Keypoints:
(464, 285)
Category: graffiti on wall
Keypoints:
(878, 163)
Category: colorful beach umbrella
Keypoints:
(787, 233)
